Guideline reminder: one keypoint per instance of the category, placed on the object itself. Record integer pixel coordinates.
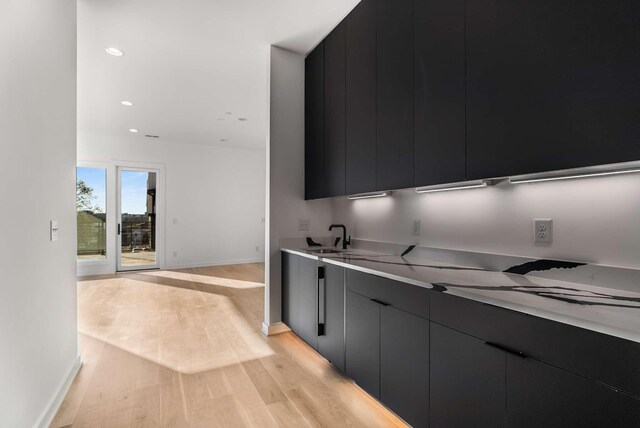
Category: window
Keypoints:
(91, 205)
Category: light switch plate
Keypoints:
(543, 230)
(54, 230)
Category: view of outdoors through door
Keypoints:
(91, 204)
(137, 219)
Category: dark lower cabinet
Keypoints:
(387, 348)
(539, 395)
(467, 381)
(307, 301)
(331, 343)
(363, 342)
(404, 365)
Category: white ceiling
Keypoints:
(187, 63)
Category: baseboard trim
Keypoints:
(54, 404)
(212, 263)
(276, 328)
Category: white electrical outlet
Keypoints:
(303, 224)
(257, 248)
(416, 227)
(175, 254)
(543, 230)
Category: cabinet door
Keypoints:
(290, 291)
(551, 85)
(404, 365)
(331, 344)
(363, 342)
(439, 58)
(467, 381)
(394, 66)
(361, 98)
(314, 183)
(334, 111)
(539, 395)
(308, 301)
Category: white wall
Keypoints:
(594, 219)
(215, 195)
(286, 204)
(37, 169)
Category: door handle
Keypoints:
(118, 228)
(321, 308)
(507, 349)
(380, 302)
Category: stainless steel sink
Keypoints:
(327, 251)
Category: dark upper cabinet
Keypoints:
(331, 343)
(307, 301)
(439, 92)
(363, 342)
(404, 365)
(551, 85)
(394, 68)
(539, 395)
(315, 183)
(334, 112)
(361, 98)
(467, 381)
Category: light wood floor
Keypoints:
(184, 349)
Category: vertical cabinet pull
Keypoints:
(321, 305)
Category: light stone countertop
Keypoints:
(606, 310)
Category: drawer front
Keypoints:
(406, 297)
(607, 359)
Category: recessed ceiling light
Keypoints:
(134, 130)
(220, 118)
(114, 51)
(242, 119)
(126, 103)
(229, 112)
(223, 140)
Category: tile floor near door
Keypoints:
(184, 348)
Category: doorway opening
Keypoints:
(137, 245)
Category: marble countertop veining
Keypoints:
(605, 310)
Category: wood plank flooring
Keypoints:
(184, 348)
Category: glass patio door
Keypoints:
(136, 228)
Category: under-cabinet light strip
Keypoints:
(369, 195)
(523, 180)
(456, 186)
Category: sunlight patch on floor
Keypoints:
(206, 279)
(178, 327)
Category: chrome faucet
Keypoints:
(345, 241)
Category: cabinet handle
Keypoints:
(380, 302)
(507, 349)
(321, 310)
